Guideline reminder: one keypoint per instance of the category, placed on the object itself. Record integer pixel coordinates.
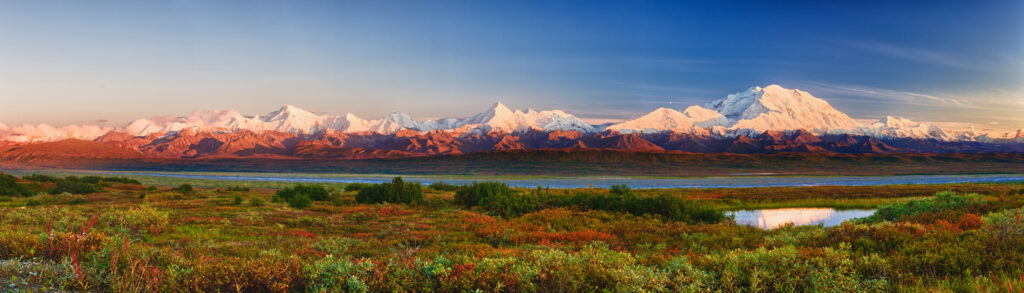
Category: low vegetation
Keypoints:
(404, 237)
(497, 198)
(9, 186)
(945, 202)
(397, 191)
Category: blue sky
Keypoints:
(86, 61)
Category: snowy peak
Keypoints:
(289, 112)
(751, 112)
(776, 108)
(661, 119)
(898, 127)
(503, 119)
(704, 117)
(691, 120)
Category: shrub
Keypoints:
(478, 193)
(397, 191)
(312, 192)
(237, 188)
(300, 201)
(77, 200)
(9, 186)
(789, 269)
(942, 202)
(670, 207)
(41, 178)
(237, 200)
(332, 274)
(185, 188)
(443, 186)
(620, 189)
(75, 187)
(355, 186)
(256, 201)
(496, 197)
(212, 273)
(122, 180)
(143, 219)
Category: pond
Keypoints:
(774, 218)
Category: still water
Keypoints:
(605, 182)
(774, 218)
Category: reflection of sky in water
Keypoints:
(605, 182)
(773, 218)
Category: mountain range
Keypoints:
(767, 119)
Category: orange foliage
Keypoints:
(969, 221)
(565, 236)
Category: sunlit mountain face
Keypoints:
(760, 120)
(751, 113)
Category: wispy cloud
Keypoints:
(890, 95)
(913, 54)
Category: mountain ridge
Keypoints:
(748, 113)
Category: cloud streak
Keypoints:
(912, 54)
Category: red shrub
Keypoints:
(969, 221)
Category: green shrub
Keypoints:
(312, 192)
(256, 201)
(123, 180)
(300, 201)
(143, 219)
(77, 200)
(355, 186)
(620, 189)
(9, 186)
(237, 188)
(477, 193)
(624, 201)
(496, 197)
(41, 178)
(396, 191)
(788, 269)
(76, 187)
(185, 188)
(443, 186)
(332, 274)
(942, 202)
(94, 179)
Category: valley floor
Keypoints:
(571, 163)
(241, 237)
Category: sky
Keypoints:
(110, 62)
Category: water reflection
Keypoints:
(774, 218)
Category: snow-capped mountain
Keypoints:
(776, 108)
(498, 117)
(46, 132)
(896, 127)
(750, 113)
(501, 118)
(694, 119)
